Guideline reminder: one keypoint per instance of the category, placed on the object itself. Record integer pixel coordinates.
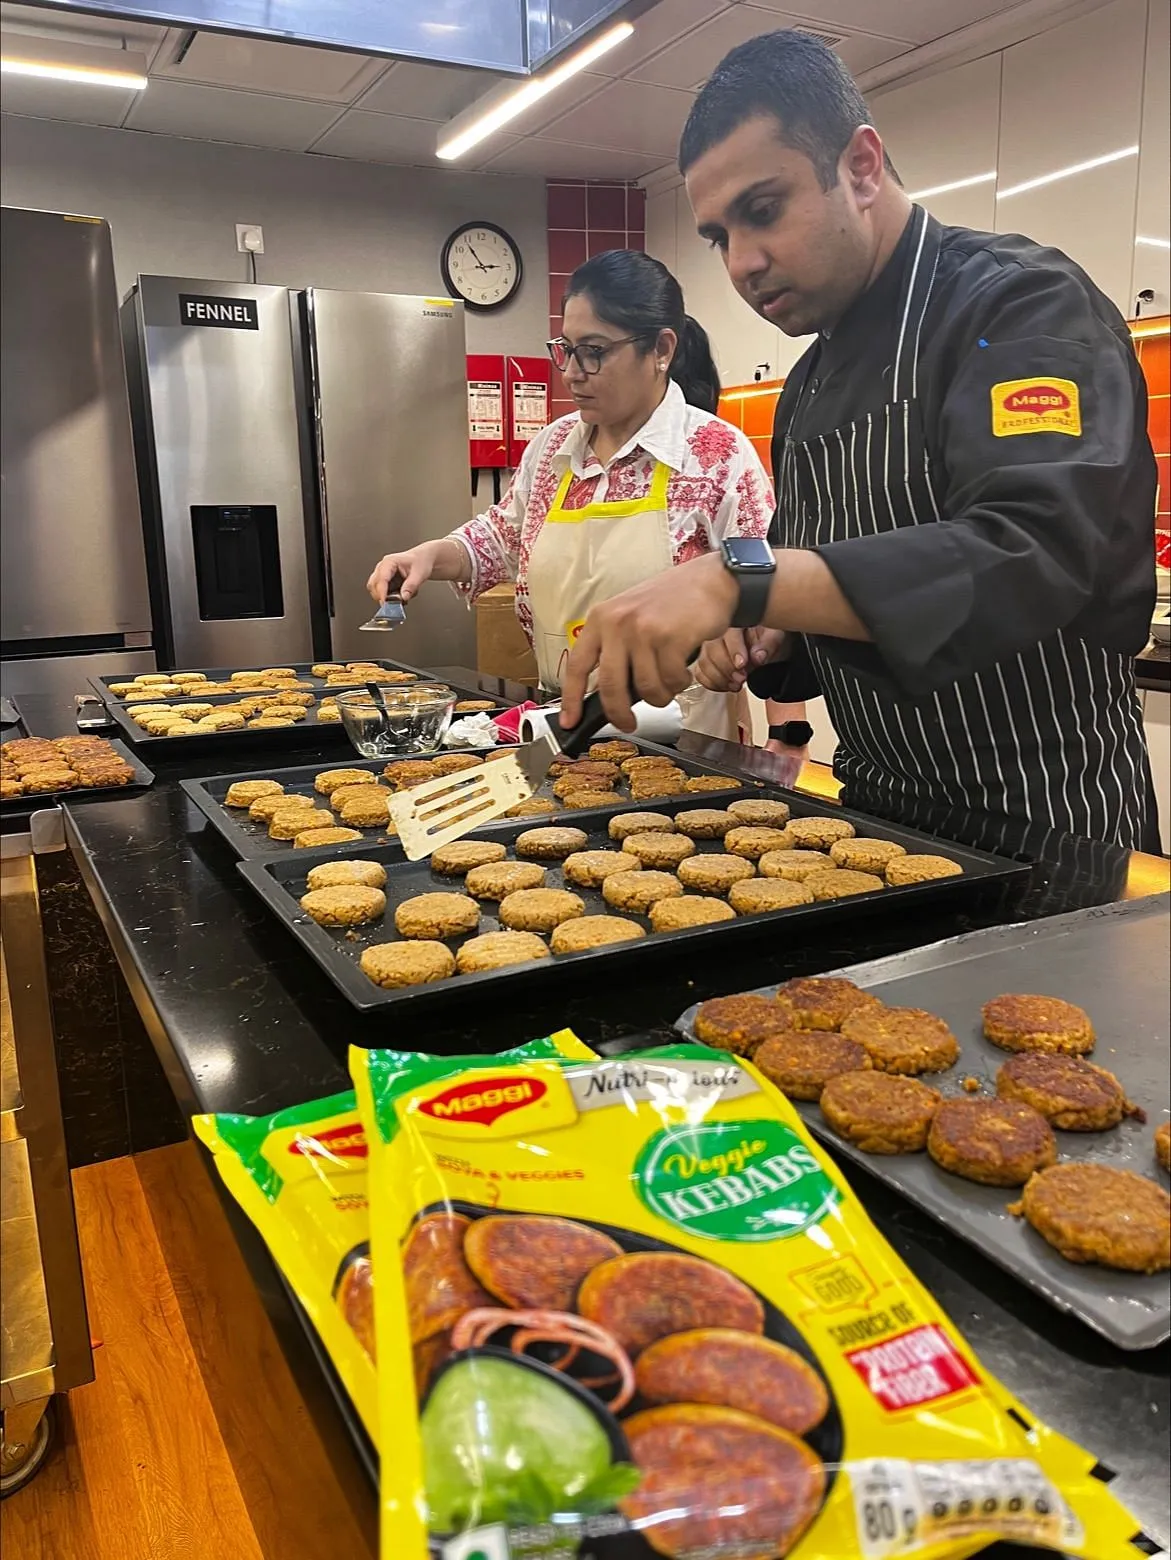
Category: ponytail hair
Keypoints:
(637, 294)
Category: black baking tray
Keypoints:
(309, 730)
(25, 806)
(1110, 960)
(250, 839)
(280, 882)
(318, 685)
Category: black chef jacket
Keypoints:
(1042, 532)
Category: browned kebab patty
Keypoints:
(821, 1001)
(995, 1142)
(1070, 1092)
(802, 1061)
(738, 1024)
(1032, 1023)
(1096, 1213)
(882, 1113)
(902, 1039)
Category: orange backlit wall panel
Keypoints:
(751, 408)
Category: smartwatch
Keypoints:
(750, 560)
(794, 733)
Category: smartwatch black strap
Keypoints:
(754, 594)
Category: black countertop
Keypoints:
(242, 1021)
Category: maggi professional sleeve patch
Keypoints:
(1036, 406)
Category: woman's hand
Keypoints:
(428, 560)
(725, 663)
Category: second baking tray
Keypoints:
(317, 685)
(281, 882)
(1110, 960)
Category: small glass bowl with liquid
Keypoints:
(413, 720)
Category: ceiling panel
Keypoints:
(915, 21)
(216, 114)
(426, 91)
(388, 138)
(657, 28)
(629, 116)
(260, 65)
(66, 100)
(554, 160)
(690, 61)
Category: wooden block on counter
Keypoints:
(501, 647)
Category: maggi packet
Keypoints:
(300, 1175)
(628, 1309)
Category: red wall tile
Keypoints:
(566, 250)
(1159, 423)
(566, 205)
(599, 240)
(606, 206)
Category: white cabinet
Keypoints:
(1152, 261)
(945, 129)
(1068, 96)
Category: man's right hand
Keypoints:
(724, 664)
(413, 567)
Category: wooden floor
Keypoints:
(143, 1467)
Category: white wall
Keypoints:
(173, 204)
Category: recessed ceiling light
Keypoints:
(496, 109)
(956, 184)
(82, 64)
(1067, 173)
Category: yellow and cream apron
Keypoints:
(583, 556)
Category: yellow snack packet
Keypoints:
(628, 1309)
(300, 1175)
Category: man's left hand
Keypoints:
(641, 642)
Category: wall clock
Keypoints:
(481, 264)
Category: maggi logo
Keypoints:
(345, 1142)
(485, 1100)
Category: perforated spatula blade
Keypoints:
(439, 811)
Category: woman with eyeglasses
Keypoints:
(642, 477)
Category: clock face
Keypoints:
(481, 265)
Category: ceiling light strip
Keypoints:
(531, 92)
(956, 184)
(1068, 173)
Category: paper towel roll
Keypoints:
(654, 725)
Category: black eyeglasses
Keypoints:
(589, 358)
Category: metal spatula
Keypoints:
(391, 614)
(439, 811)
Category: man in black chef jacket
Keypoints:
(964, 536)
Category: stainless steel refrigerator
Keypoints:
(286, 441)
(73, 586)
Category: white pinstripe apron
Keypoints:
(1053, 734)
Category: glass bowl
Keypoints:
(414, 719)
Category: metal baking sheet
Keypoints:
(281, 881)
(317, 685)
(1110, 960)
(250, 839)
(20, 806)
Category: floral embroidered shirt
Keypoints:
(717, 488)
